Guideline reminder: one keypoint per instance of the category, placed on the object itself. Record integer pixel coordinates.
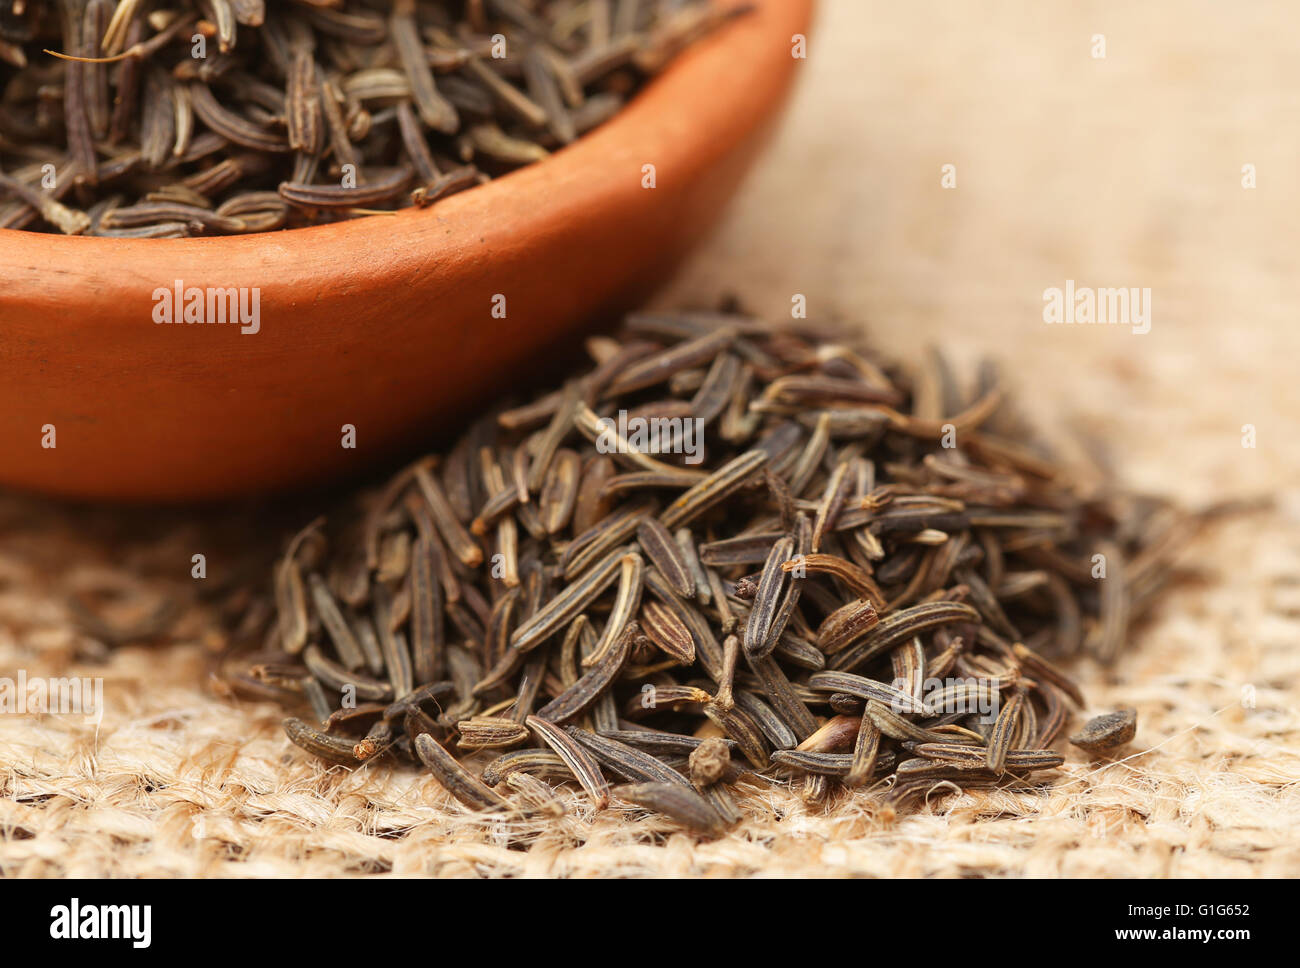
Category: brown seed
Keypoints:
(490, 732)
(847, 624)
(707, 649)
(667, 631)
(511, 98)
(531, 761)
(680, 803)
(708, 492)
(628, 762)
(758, 641)
(560, 491)
(901, 626)
(594, 682)
(332, 618)
(866, 753)
(657, 368)
(778, 732)
(302, 99)
(397, 657)
(975, 758)
(782, 695)
(290, 596)
(853, 576)
(458, 781)
(452, 531)
(737, 724)
(563, 607)
(1108, 732)
(846, 682)
(231, 126)
(592, 545)
(435, 110)
(336, 749)
(428, 636)
(1004, 729)
(625, 606)
(381, 186)
(340, 679)
(833, 736)
(1053, 719)
(665, 554)
(580, 762)
(592, 504)
(545, 90)
(701, 585)
(749, 549)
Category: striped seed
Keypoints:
(593, 683)
(662, 551)
(579, 761)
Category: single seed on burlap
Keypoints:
(1107, 732)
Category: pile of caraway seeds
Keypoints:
(728, 553)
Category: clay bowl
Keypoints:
(384, 323)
